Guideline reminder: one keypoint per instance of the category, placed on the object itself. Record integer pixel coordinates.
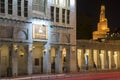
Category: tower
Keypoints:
(102, 27)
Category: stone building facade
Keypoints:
(37, 36)
(102, 52)
(105, 54)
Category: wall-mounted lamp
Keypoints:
(44, 51)
(31, 48)
(21, 53)
(15, 48)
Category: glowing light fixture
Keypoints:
(21, 53)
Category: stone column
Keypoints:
(72, 59)
(30, 62)
(14, 55)
(0, 61)
(46, 60)
(112, 61)
(106, 60)
(97, 59)
(90, 60)
(58, 60)
(118, 60)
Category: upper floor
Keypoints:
(58, 11)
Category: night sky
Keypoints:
(88, 16)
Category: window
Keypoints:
(19, 7)
(68, 3)
(10, 6)
(2, 6)
(64, 3)
(36, 62)
(25, 8)
(68, 16)
(53, 1)
(57, 2)
(57, 14)
(63, 15)
(52, 13)
(39, 5)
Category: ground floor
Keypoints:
(37, 58)
(98, 55)
(87, 75)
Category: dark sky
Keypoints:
(88, 16)
(92, 8)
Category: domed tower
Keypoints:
(102, 27)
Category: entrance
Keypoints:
(38, 48)
(53, 56)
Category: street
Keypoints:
(75, 76)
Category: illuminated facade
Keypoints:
(102, 28)
(105, 55)
(101, 53)
(37, 36)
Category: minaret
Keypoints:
(102, 13)
(102, 28)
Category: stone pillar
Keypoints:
(30, 61)
(0, 61)
(72, 59)
(14, 55)
(112, 61)
(97, 59)
(90, 60)
(106, 60)
(46, 60)
(58, 61)
(118, 60)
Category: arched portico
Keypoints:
(53, 58)
(4, 59)
(37, 58)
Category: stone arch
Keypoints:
(65, 38)
(53, 59)
(55, 37)
(4, 58)
(22, 35)
(22, 60)
(64, 59)
(38, 51)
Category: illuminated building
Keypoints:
(37, 36)
(103, 51)
(105, 54)
(102, 28)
